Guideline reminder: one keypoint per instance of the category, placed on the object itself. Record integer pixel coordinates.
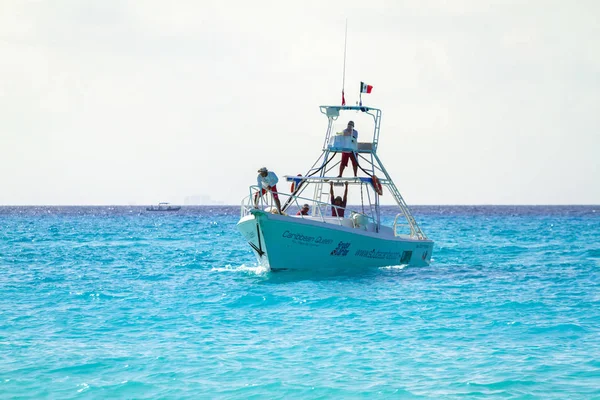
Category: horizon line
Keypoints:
(237, 205)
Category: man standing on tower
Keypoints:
(349, 131)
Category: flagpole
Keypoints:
(360, 94)
(344, 73)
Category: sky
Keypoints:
(136, 102)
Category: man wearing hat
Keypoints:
(267, 180)
(349, 131)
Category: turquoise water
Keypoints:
(100, 302)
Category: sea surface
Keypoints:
(117, 302)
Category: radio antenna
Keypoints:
(344, 74)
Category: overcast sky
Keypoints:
(136, 102)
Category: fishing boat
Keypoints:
(163, 207)
(324, 239)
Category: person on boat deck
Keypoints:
(267, 180)
(349, 131)
(304, 210)
(337, 202)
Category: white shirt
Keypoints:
(354, 133)
(269, 180)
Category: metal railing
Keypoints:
(413, 233)
(248, 204)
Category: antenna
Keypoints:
(344, 74)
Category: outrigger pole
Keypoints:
(344, 74)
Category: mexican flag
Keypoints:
(364, 88)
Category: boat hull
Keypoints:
(283, 242)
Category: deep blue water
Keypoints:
(115, 302)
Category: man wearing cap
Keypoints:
(304, 210)
(267, 180)
(349, 131)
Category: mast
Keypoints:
(344, 73)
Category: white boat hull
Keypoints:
(283, 242)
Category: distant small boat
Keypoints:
(163, 207)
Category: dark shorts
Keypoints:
(346, 156)
(273, 190)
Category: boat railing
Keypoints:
(267, 203)
(333, 113)
(404, 225)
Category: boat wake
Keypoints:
(394, 267)
(249, 269)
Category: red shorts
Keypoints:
(273, 190)
(346, 156)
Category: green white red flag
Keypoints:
(364, 88)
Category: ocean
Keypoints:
(116, 302)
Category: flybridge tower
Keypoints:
(368, 161)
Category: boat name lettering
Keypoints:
(387, 255)
(298, 236)
(306, 239)
(342, 249)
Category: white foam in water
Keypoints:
(394, 267)
(84, 387)
(253, 269)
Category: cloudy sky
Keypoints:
(136, 102)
